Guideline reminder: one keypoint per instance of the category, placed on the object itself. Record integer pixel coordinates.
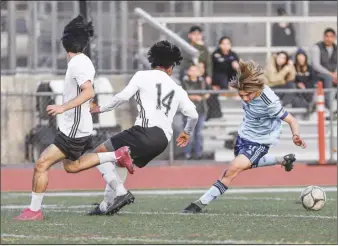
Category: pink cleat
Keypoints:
(124, 159)
(28, 214)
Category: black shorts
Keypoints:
(144, 143)
(73, 148)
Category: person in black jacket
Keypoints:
(305, 77)
(225, 63)
(283, 33)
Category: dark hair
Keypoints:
(287, 58)
(327, 30)
(76, 34)
(298, 67)
(281, 11)
(223, 38)
(164, 54)
(195, 28)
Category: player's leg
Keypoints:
(247, 155)
(120, 156)
(51, 155)
(145, 144)
(114, 184)
(270, 160)
(239, 164)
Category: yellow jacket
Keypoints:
(274, 78)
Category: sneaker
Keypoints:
(124, 159)
(193, 208)
(288, 162)
(96, 211)
(28, 214)
(120, 202)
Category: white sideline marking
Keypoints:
(69, 209)
(174, 192)
(147, 240)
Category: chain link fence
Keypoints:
(26, 129)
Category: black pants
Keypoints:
(145, 143)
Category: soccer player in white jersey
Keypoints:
(159, 98)
(74, 135)
(261, 128)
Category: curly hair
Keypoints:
(250, 77)
(76, 34)
(164, 54)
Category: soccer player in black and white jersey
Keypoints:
(159, 98)
(74, 135)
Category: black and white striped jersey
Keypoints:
(158, 99)
(77, 122)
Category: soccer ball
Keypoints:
(313, 198)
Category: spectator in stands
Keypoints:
(224, 63)
(305, 77)
(194, 80)
(195, 37)
(280, 73)
(324, 61)
(283, 33)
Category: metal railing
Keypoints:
(24, 122)
(145, 17)
(268, 49)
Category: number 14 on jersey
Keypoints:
(166, 101)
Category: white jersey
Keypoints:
(158, 98)
(77, 122)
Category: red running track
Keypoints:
(169, 177)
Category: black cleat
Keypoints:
(96, 211)
(120, 202)
(288, 162)
(193, 208)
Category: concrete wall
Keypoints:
(18, 114)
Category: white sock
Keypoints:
(36, 201)
(110, 175)
(268, 160)
(106, 157)
(106, 170)
(217, 189)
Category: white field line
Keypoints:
(172, 192)
(240, 198)
(145, 240)
(74, 209)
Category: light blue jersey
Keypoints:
(262, 118)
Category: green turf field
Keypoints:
(264, 218)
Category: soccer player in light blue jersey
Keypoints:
(260, 129)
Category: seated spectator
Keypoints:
(194, 81)
(324, 62)
(195, 37)
(224, 63)
(305, 78)
(280, 73)
(283, 33)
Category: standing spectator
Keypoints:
(195, 37)
(194, 81)
(283, 33)
(280, 73)
(224, 63)
(324, 61)
(305, 77)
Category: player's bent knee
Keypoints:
(71, 167)
(41, 165)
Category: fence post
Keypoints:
(321, 122)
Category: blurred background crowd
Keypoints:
(295, 56)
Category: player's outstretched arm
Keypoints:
(293, 123)
(87, 92)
